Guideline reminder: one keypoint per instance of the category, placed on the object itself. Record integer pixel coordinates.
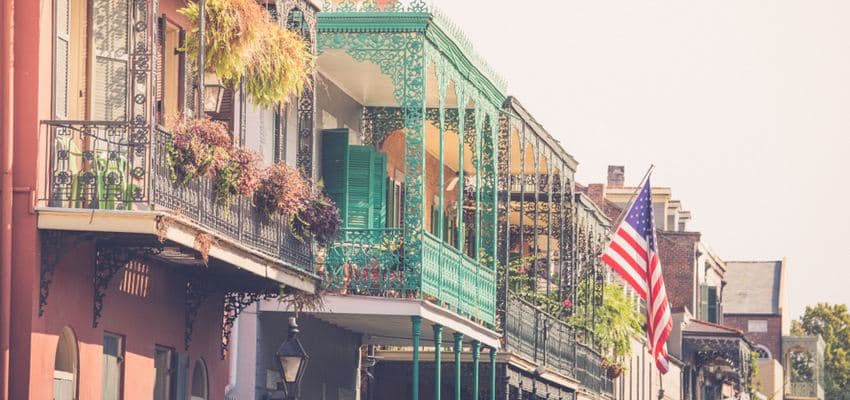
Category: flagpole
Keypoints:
(634, 194)
(628, 205)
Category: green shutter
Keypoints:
(360, 207)
(379, 189)
(712, 305)
(334, 167)
(355, 178)
(703, 302)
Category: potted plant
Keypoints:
(282, 191)
(239, 174)
(319, 218)
(198, 147)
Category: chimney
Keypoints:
(616, 176)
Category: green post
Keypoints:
(438, 366)
(417, 323)
(492, 373)
(476, 354)
(458, 348)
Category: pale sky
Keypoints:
(742, 105)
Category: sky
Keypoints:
(742, 105)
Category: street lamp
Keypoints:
(293, 361)
(213, 93)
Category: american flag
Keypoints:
(633, 253)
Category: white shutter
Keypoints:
(62, 45)
(110, 39)
(260, 131)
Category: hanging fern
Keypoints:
(279, 68)
(243, 41)
(230, 35)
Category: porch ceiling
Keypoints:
(363, 81)
(386, 321)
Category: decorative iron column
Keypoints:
(492, 373)
(438, 365)
(458, 347)
(416, 324)
(476, 355)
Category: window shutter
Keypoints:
(712, 305)
(360, 206)
(111, 59)
(703, 302)
(379, 189)
(112, 358)
(334, 168)
(188, 79)
(62, 27)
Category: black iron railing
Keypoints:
(113, 165)
(546, 340)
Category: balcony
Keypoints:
(371, 262)
(545, 340)
(101, 165)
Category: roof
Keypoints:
(753, 287)
(703, 327)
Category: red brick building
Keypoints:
(754, 302)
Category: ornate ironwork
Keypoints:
(379, 122)
(109, 260)
(368, 262)
(234, 304)
(301, 18)
(197, 291)
(54, 244)
(242, 221)
(413, 6)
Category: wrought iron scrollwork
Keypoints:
(53, 246)
(234, 304)
(197, 291)
(109, 260)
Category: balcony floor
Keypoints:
(180, 231)
(386, 321)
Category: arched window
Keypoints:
(65, 367)
(200, 385)
(296, 21)
(763, 352)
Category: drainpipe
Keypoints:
(6, 146)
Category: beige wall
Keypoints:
(642, 380)
(771, 378)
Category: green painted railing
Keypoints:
(458, 281)
(371, 262)
(368, 262)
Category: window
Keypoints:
(757, 325)
(763, 352)
(200, 384)
(101, 94)
(65, 371)
(164, 376)
(113, 366)
(710, 309)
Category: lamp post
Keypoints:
(292, 360)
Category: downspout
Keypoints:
(6, 146)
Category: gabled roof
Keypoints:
(753, 287)
(701, 327)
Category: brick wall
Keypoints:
(772, 339)
(677, 252)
